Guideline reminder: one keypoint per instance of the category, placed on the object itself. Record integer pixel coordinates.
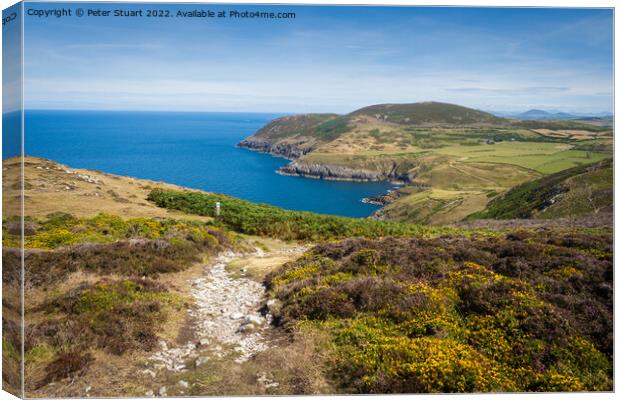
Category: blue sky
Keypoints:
(326, 59)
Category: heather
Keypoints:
(96, 287)
(106, 244)
(114, 316)
(527, 311)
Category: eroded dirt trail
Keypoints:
(226, 315)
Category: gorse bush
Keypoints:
(124, 309)
(527, 311)
(120, 315)
(108, 244)
(62, 229)
(265, 220)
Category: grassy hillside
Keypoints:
(51, 187)
(522, 311)
(571, 192)
(101, 292)
(375, 307)
(327, 127)
(296, 125)
(429, 113)
(459, 154)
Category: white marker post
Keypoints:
(217, 208)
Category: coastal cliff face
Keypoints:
(287, 150)
(381, 129)
(451, 160)
(336, 172)
(289, 137)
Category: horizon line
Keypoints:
(606, 112)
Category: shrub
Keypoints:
(62, 230)
(108, 244)
(117, 316)
(265, 220)
(454, 314)
(67, 364)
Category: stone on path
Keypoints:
(226, 312)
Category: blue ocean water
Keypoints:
(196, 150)
(11, 134)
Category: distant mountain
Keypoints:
(295, 135)
(538, 114)
(604, 121)
(542, 114)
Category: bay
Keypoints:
(195, 150)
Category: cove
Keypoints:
(196, 150)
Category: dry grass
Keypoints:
(360, 138)
(436, 206)
(83, 193)
(570, 133)
(106, 374)
(256, 267)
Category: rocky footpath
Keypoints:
(226, 314)
(227, 321)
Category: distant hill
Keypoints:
(296, 135)
(302, 125)
(306, 131)
(452, 160)
(542, 114)
(546, 115)
(604, 121)
(329, 126)
(576, 191)
(429, 113)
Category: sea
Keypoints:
(196, 150)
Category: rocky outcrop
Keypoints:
(383, 199)
(340, 173)
(290, 151)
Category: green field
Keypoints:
(459, 176)
(568, 193)
(545, 158)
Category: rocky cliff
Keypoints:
(341, 173)
(287, 150)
